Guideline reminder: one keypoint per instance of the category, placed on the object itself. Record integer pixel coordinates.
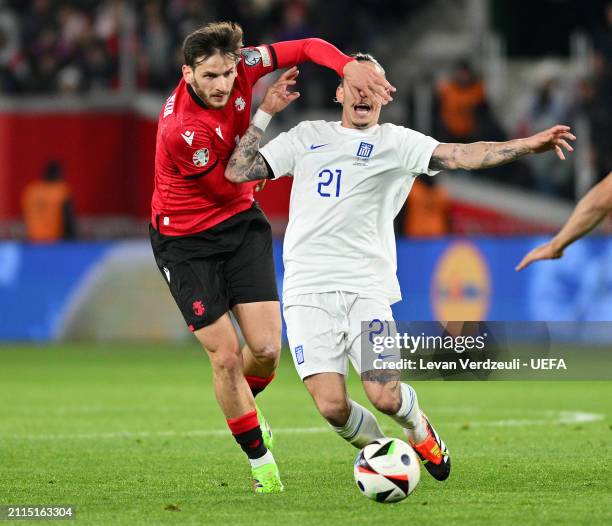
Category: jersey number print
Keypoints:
(326, 182)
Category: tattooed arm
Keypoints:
(453, 156)
(246, 163)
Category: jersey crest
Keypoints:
(365, 150)
(239, 104)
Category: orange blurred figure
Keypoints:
(427, 209)
(47, 207)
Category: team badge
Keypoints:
(200, 158)
(198, 308)
(251, 57)
(240, 103)
(365, 150)
(299, 354)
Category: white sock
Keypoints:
(266, 459)
(409, 415)
(361, 427)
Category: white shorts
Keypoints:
(325, 329)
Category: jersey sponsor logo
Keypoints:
(240, 104)
(251, 57)
(317, 146)
(169, 107)
(200, 158)
(198, 308)
(365, 150)
(299, 354)
(218, 131)
(266, 60)
(188, 136)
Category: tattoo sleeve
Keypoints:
(246, 163)
(477, 155)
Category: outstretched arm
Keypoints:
(357, 76)
(246, 163)
(453, 156)
(589, 212)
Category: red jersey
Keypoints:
(195, 142)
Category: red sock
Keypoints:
(247, 433)
(257, 383)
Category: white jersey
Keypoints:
(348, 185)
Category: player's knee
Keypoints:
(268, 351)
(227, 362)
(386, 402)
(335, 411)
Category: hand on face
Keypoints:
(365, 78)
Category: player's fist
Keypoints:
(554, 138)
(278, 96)
(546, 251)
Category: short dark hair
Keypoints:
(217, 37)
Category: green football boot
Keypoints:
(266, 479)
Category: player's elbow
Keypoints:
(231, 175)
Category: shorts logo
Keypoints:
(240, 104)
(198, 308)
(167, 273)
(200, 158)
(365, 150)
(251, 57)
(299, 355)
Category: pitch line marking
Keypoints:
(555, 418)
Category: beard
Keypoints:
(211, 100)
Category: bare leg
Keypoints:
(328, 390)
(231, 389)
(260, 323)
(400, 402)
(350, 420)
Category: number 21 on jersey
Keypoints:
(329, 183)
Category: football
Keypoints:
(387, 470)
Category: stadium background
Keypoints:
(82, 83)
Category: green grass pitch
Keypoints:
(131, 434)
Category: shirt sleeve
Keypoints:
(415, 151)
(258, 61)
(294, 52)
(192, 152)
(281, 154)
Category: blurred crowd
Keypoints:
(462, 114)
(67, 46)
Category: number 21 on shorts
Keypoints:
(329, 183)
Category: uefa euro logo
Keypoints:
(365, 150)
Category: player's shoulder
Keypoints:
(306, 133)
(389, 128)
(310, 128)
(185, 132)
(400, 132)
(254, 55)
